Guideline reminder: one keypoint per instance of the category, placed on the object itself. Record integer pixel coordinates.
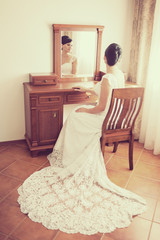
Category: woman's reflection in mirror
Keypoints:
(69, 62)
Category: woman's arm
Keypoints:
(105, 89)
(83, 89)
(74, 66)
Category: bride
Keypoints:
(74, 193)
(69, 61)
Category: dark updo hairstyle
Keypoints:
(65, 39)
(112, 54)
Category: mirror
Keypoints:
(77, 56)
(76, 51)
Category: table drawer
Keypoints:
(76, 97)
(50, 99)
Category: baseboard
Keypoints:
(13, 141)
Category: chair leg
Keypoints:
(102, 145)
(115, 147)
(131, 141)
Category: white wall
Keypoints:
(26, 45)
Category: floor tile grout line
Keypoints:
(25, 217)
(109, 159)
(102, 237)
(20, 179)
(3, 199)
(147, 178)
(123, 171)
(43, 165)
(149, 234)
(2, 150)
(8, 166)
(13, 177)
(35, 165)
(56, 235)
(5, 235)
(151, 164)
(20, 159)
(155, 210)
(152, 220)
(147, 195)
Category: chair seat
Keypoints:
(117, 132)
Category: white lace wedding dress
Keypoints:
(74, 194)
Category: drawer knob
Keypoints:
(45, 81)
(54, 114)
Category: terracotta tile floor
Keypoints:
(16, 164)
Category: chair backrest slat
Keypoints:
(124, 108)
(119, 111)
(130, 112)
(133, 108)
(124, 116)
(112, 115)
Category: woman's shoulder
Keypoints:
(114, 80)
(107, 78)
(73, 58)
(118, 73)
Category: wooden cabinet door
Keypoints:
(49, 124)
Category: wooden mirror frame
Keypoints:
(57, 29)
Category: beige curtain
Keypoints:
(150, 127)
(140, 46)
(141, 40)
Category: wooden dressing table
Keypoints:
(44, 111)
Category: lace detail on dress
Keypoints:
(75, 204)
(55, 158)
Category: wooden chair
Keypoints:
(119, 122)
